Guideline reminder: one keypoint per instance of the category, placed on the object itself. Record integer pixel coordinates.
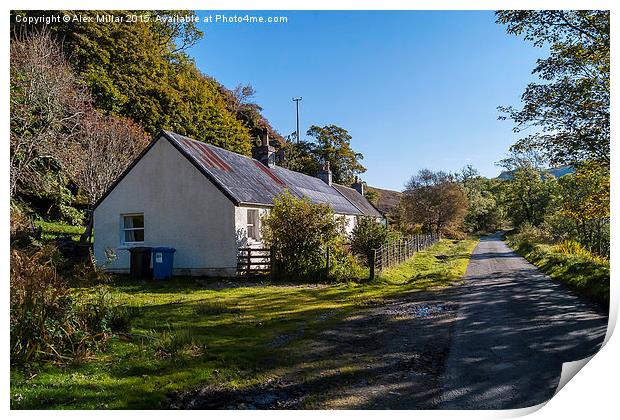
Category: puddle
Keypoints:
(420, 310)
(429, 310)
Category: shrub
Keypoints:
(48, 322)
(367, 235)
(573, 248)
(344, 266)
(530, 234)
(301, 232)
(454, 233)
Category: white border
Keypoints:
(592, 395)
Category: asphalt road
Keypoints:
(514, 329)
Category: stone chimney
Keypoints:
(325, 174)
(265, 153)
(358, 185)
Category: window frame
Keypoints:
(124, 229)
(255, 226)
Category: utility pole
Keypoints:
(297, 107)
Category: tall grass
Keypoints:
(569, 263)
(50, 323)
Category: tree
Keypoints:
(299, 157)
(528, 196)
(140, 70)
(585, 205)
(106, 147)
(483, 212)
(333, 144)
(571, 104)
(48, 104)
(301, 232)
(435, 200)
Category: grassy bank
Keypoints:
(187, 333)
(584, 273)
(444, 262)
(52, 230)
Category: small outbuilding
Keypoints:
(206, 202)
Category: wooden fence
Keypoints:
(392, 253)
(254, 261)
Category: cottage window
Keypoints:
(253, 228)
(133, 228)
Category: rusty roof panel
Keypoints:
(250, 182)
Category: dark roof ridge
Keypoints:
(361, 195)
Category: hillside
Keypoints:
(556, 172)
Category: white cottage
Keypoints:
(206, 202)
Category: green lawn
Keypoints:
(185, 335)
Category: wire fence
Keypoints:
(393, 253)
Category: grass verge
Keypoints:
(52, 230)
(186, 334)
(586, 275)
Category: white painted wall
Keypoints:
(241, 222)
(241, 225)
(182, 209)
(350, 222)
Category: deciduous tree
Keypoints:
(435, 200)
(570, 106)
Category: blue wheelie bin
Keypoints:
(163, 258)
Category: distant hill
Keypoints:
(556, 172)
(388, 199)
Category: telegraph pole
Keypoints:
(296, 100)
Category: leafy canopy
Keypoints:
(570, 106)
(331, 144)
(140, 70)
(435, 201)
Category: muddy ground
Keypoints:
(389, 354)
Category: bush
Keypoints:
(530, 234)
(345, 267)
(453, 233)
(301, 232)
(48, 322)
(367, 235)
(573, 248)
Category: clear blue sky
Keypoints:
(416, 89)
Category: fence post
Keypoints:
(249, 266)
(372, 260)
(327, 262)
(272, 260)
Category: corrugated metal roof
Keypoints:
(316, 190)
(358, 200)
(247, 181)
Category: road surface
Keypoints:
(515, 327)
